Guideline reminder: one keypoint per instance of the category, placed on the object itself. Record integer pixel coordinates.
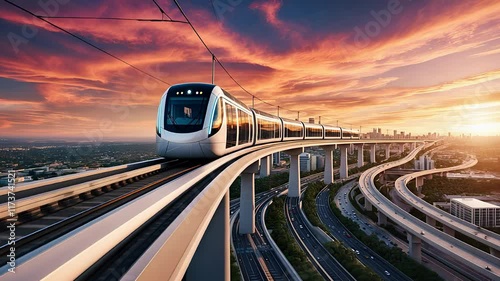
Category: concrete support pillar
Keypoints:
(247, 199)
(361, 162)
(495, 252)
(381, 218)
(415, 247)
(419, 181)
(216, 242)
(430, 221)
(448, 230)
(368, 205)
(413, 145)
(344, 173)
(328, 174)
(294, 178)
(401, 147)
(382, 177)
(277, 158)
(419, 190)
(265, 168)
(372, 153)
(387, 151)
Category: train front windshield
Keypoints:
(185, 110)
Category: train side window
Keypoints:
(232, 128)
(313, 132)
(158, 118)
(243, 129)
(265, 129)
(293, 131)
(250, 123)
(217, 118)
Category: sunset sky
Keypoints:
(414, 66)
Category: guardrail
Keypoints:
(37, 201)
(275, 247)
(40, 183)
(70, 255)
(233, 250)
(485, 263)
(482, 235)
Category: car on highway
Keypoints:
(387, 273)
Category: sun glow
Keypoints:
(482, 129)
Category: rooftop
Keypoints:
(474, 203)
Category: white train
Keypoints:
(197, 120)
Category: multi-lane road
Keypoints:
(485, 264)
(326, 265)
(257, 259)
(446, 266)
(482, 235)
(365, 255)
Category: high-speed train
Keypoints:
(197, 120)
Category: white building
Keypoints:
(314, 162)
(305, 162)
(475, 211)
(424, 163)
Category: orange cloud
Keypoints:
(323, 74)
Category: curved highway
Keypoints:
(257, 259)
(326, 265)
(75, 253)
(482, 235)
(365, 255)
(482, 262)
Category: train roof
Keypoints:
(330, 127)
(231, 97)
(265, 114)
(202, 86)
(290, 120)
(313, 125)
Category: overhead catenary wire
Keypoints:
(224, 68)
(112, 18)
(163, 13)
(161, 10)
(86, 42)
(219, 62)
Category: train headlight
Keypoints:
(189, 92)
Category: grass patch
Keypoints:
(276, 223)
(393, 255)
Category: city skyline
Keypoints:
(419, 67)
